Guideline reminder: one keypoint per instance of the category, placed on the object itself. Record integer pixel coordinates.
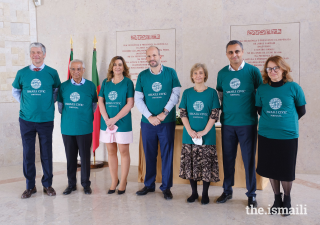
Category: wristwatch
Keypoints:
(165, 112)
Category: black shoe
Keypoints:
(224, 197)
(205, 200)
(193, 198)
(252, 202)
(113, 191)
(144, 191)
(69, 189)
(277, 204)
(87, 190)
(286, 205)
(167, 194)
(122, 192)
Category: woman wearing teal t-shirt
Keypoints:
(280, 103)
(199, 110)
(115, 103)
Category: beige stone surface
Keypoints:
(2, 59)
(202, 32)
(23, 16)
(17, 30)
(19, 60)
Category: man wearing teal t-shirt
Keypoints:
(157, 93)
(237, 84)
(77, 102)
(35, 87)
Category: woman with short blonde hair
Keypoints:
(199, 110)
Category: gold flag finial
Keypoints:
(94, 42)
(71, 42)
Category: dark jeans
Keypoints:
(28, 132)
(73, 145)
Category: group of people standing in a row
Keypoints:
(243, 94)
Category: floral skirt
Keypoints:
(199, 162)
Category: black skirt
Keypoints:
(277, 158)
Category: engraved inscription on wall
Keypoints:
(262, 41)
(132, 46)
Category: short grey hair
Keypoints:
(152, 46)
(38, 45)
(77, 60)
(234, 42)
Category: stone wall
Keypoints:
(17, 31)
(202, 31)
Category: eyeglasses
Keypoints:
(275, 69)
(76, 69)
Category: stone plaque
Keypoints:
(262, 41)
(132, 46)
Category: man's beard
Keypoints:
(157, 64)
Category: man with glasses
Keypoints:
(157, 93)
(236, 86)
(77, 101)
(35, 88)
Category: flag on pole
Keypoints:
(97, 115)
(70, 58)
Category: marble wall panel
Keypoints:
(202, 32)
(17, 31)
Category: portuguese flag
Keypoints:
(97, 115)
(70, 59)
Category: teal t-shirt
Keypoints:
(279, 117)
(115, 98)
(157, 90)
(199, 106)
(77, 113)
(37, 103)
(238, 89)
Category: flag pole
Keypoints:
(97, 115)
(94, 49)
(96, 123)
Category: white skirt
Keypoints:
(117, 137)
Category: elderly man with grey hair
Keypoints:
(77, 101)
(35, 88)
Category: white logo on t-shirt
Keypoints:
(156, 86)
(198, 105)
(35, 83)
(235, 83)
(113, 95)
(275, 103)
(74, 97)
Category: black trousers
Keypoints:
(73, 145)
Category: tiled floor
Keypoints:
(100, 208)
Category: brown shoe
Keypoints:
(28, 192)
(50, 191)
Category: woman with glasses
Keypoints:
(280, 103)
(115, 103)
(199, 110)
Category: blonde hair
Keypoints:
(196, 67)
(286, 77)
(110, 74)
